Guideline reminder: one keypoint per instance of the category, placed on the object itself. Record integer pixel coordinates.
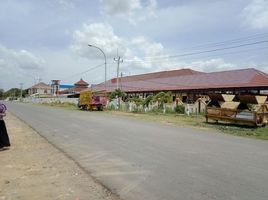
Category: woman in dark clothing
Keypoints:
(4, 139)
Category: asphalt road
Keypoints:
(149, 161)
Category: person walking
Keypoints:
(4, 139)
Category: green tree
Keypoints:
(162, 98)
(148, 100)
(138, 101)
(2, 93)
(13, 93)
(117, 93)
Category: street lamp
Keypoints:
(105, 73)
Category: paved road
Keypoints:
(149, 161)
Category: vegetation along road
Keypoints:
(145, 160)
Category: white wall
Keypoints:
(50, 100)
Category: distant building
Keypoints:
(40, 89)
(77, 88)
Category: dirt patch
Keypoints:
(34, 169)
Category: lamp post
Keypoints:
(105, 72)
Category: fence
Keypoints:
(195, 108)
(50, 100)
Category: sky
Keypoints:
(42, 40)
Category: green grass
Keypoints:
(199, 122)
(65, 105)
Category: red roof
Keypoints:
(81, 82)
(78, 87)
(154, 75)
(243, 78)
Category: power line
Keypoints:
(218, 55)
(208, 56)
(232, 41)
(80, 73)
(220, 49)
(235, 52)
(216, 44)
(200, 52)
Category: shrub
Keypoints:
(180, 109)
(169, 110)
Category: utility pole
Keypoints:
(38, 79)
(21, 86)
(121, 81)
(118, 60)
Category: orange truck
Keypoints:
(89, 100)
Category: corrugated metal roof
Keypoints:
(162, 74)
(243, 78)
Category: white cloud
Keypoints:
(140, 55)
(212, 65)
(16, 65)
(256, 14)
(21, 59)
(138, 52)
(120, 7)
(100, 35)
(65, 3)
(132, 10)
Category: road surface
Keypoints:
(141, 160)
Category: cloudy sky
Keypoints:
(47, 39)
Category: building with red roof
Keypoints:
(189, 84)
(78, 87)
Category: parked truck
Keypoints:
(89, 100)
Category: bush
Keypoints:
(169, 110)
(180, 109)
(111, 107)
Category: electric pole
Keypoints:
(121, 81)
(118, 60)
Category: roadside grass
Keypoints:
(65, 105)
(198, 121)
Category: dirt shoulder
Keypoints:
(33, 169)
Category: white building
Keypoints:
(41, 89)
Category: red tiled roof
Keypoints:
(243, 78)
(78, 87)
(81, 82)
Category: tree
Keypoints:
(14, 93)
(138, 101)
(2, 93)
(117, 93)
(148, 100)
(162, 98)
